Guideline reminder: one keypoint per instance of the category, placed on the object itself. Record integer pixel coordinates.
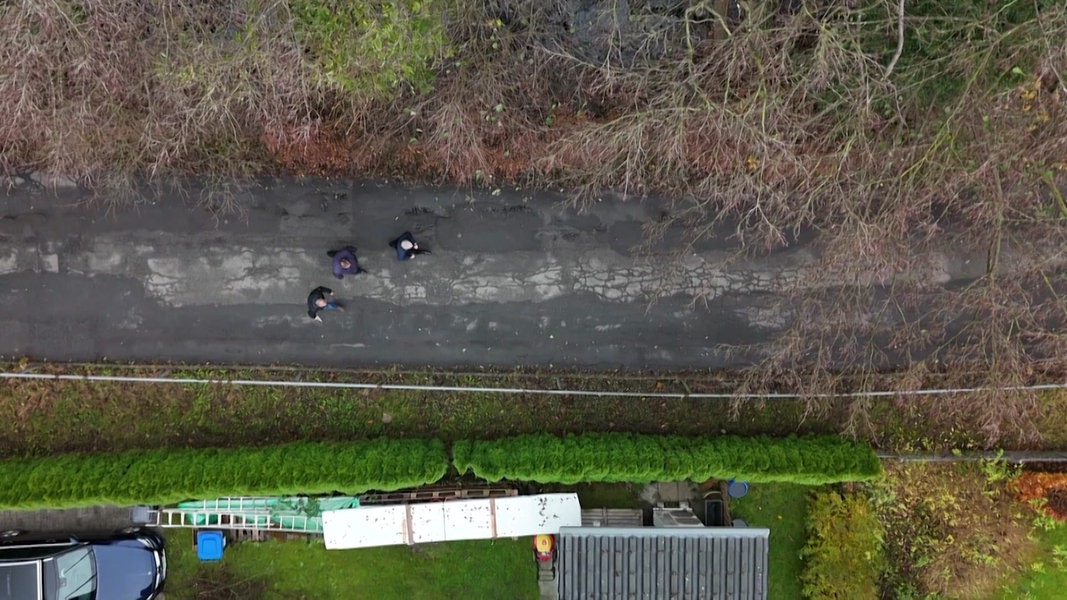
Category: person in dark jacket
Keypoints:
(321, 298)
(345, 262)
(406, 247)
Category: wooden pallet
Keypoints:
(437, 495)
(236, 536)
(245, 535)
(612, 517)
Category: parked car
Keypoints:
(124, 565)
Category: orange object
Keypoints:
(544, 545)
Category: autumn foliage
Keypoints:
(1047, 490)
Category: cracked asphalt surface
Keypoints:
(68, 521)
(514, 280)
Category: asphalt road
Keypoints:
(68, 521)
(514, 280)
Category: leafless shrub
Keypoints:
(788, 125)
(217, 91)
(485, 122)
(737, 124)
(98, 90)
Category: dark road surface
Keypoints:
(514, 280)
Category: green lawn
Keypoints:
(294, 570)
(603, 495)
(1046, 575)
(783, 508)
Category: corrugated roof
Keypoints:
(655, 563)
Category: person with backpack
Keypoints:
(406, 247)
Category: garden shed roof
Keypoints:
(656, 563)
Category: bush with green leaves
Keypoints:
(607, 457)
(372, 48)
(166, 476)
(844, 557)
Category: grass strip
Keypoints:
(48, 417)
(292, 569)
(625, 457)
(170, 475)
(782, 508)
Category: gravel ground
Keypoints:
(96, 518)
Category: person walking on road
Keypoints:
(345, 262)
(406, 247)
(321, 298)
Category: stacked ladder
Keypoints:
(248, 513)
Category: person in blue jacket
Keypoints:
(345, 262)
(406, 247)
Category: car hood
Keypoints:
(125, 569)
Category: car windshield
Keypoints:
(75, 575)
(20, 581)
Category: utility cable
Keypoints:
(524, 390)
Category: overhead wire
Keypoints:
(524, 390)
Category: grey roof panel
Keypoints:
(609, 563)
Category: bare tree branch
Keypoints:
(900, 40)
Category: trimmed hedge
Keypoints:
(843, 557)
(627, 457)
(168, 476)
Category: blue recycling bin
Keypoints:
(737, 489)
(209, 545)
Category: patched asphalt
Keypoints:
(515, 279)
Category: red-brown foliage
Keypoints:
(1051, 488)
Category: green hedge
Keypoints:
(168, 476)
(843, 557)
(606, 457)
